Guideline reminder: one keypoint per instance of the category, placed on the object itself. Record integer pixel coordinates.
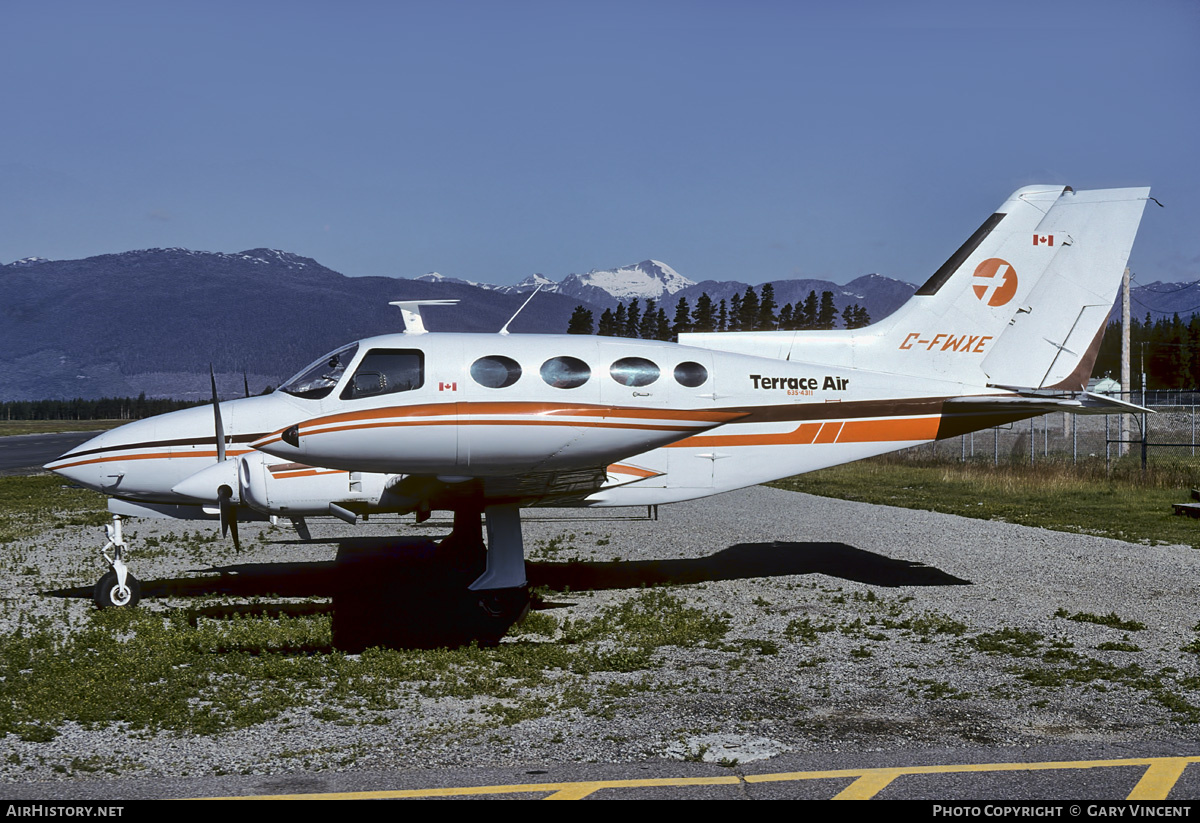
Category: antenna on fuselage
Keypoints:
(410, 310)
(523, 305)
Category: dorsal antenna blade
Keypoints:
(523, 305)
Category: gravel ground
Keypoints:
(852, 628)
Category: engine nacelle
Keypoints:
(272, 486)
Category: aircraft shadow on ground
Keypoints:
(397, 592)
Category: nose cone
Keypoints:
(89, 464)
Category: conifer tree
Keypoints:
(633, 319)
(683, 314)
(785, 317)
(648, 328)
(663, 328)
(748, 316)
(608, 324)
(581, 321)
(808, 313)
(827, 314)
(620, 318)
(766, 309)
(705, 316)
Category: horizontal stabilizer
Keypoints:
(1076, 403)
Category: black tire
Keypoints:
(107, 596)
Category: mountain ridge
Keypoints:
(154, 319)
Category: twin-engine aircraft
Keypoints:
(487, 424)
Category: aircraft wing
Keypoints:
(551, 488)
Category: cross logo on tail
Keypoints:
(995, 281)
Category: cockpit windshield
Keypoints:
(317, 380)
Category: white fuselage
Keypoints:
(665, 422)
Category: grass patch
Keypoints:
(30, 505)
(11, 427)
(1081, 498)
(180, 672)
(1111, 620)
(654, 618)
(1010, 641)
(803, 630)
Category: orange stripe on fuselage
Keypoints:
(850, 431)
(150, 456)
(621, 468)
(829, 432)
(289, 475)
(530, 408)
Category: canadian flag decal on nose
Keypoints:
(447, 386)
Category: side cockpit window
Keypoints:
(386, 371)
(319, 378)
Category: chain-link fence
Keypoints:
(1172, 434)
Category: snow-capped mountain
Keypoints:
(648, 279)
(438, 277)
(530, 283)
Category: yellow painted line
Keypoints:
(1155, 784)
(869, 785)
(1158, 780)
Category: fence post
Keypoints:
(1143, 441)
(1107, 444)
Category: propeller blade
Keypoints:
(246, 383)
(229, 518)
(217, 416)
(225, 506)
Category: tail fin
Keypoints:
(1023, 302)
(1026, 299)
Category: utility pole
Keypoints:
(1126, 388)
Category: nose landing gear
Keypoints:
(117, 588)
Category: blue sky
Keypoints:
(491, 140)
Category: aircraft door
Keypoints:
(412, 391)
(688, 381)
(634, 381)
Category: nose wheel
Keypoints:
(117, 588)
(111, 593)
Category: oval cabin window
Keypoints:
(691, 374)
(634, 371)
(565, 372)
(496, 371)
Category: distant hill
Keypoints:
(152, 320)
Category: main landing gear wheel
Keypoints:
(109, 594)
